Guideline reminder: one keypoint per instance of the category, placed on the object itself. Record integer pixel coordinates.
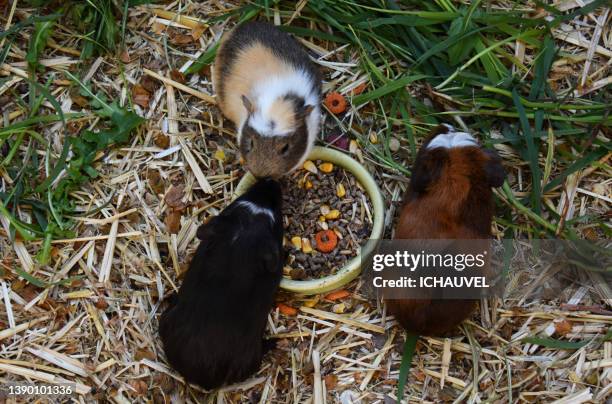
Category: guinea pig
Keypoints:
(449, 197)
(212, 332)
(270, 89)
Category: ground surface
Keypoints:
(99, 328)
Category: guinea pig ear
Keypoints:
(207, 230)
(427, 169)
(247, 104)
(494, 170)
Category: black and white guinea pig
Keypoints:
(213, 331)
(450, 197)
(270, 89)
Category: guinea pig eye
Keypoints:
(285, 149)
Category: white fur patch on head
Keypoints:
(256, 210)
(266, 120)
(266, 125)
(452, 139)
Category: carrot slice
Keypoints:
(337, 295)
(335, 102)
(286, 309)
(326, 240)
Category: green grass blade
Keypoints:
(30, 20)
(13, 150)
(543, 65)
(204, 60)
(484, 52)
(44, 254)
(61, 164)
(409, 348)
(5, 51)
(532, 154)
(386, 89)
(437, 15)
(525, 210)
(25, 232)
(550, 153)
(406, 119)
(38, 41)
(29, 278)
(42, 284)
(554, 343)
(52, 100)
(575, 166)
(107, 108)
(42, 119)
(305, 32)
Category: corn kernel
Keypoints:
(333, 214)
(297, 242)
(339, 308)
(340, 191)
(326, 167)
(306, 247)
(220, 155)
(311, 302)
(310, 166)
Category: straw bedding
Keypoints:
(99, 330)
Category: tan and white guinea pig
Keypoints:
(270, 89)
(450, 197)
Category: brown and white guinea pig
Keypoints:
(450, 197)
(213, 329)
(270, 89)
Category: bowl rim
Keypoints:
(352, 268)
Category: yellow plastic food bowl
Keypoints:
(353, 267)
